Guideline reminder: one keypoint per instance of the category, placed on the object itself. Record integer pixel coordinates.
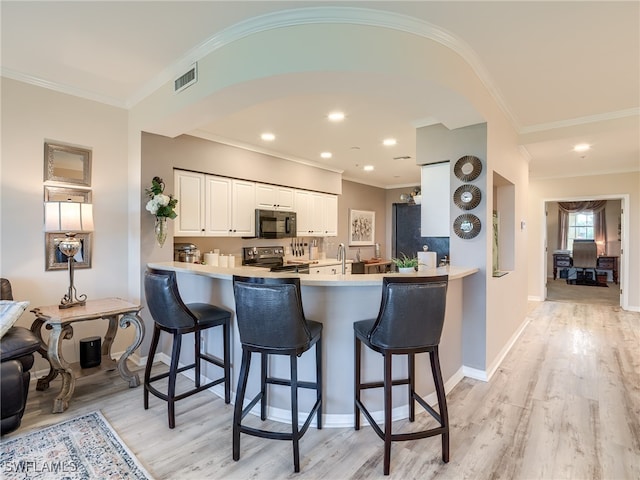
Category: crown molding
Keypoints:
(572, 122)
(61, 88)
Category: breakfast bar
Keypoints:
(337, 301)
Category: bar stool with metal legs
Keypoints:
(171, 315)
(410, 321)
(271, 321)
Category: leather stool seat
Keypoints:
(410, 321)
(171, 315)
(271, 321)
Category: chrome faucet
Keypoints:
(342, 257)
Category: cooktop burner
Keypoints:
(272, 258)
(263, 256)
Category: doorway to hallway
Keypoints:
(558, 289)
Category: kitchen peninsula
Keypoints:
(337, 301)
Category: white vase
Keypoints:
(406, 269)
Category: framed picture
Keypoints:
(56, 260)
(362, 227)
(67, 164)
(64, 194)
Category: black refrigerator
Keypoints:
(406, 235)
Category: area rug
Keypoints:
(85, 447)
(586, 284)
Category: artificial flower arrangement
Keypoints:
(160, 205)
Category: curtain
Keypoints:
(599, 222)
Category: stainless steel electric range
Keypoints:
(271, 258)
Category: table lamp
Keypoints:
(70, 218)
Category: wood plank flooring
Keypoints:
(565, 404)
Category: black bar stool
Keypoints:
(171, 315)
(410, 321)
(271, 322)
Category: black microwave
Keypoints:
(275, 224)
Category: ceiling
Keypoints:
(563, 72)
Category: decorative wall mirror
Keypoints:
(64, 194)
(67, 164)
(56, 260)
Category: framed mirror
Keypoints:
(56, 260)
(67, 164)
(64, 194)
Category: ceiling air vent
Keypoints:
(186, 80)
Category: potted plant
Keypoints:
(406, 264)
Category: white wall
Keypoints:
(614, 186)
(29, 116)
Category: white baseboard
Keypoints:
(505, 350)
(328, 420)
(475, 373)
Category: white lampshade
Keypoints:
(68, 217)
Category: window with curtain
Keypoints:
(580, 227)
(581, 220)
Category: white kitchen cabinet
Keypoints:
(330, 215)
(243, 212)
(273, 197)
(214, 206)
(230, 207)
(218, 206)
(436, 200)
(303, 212)
(329, 269)
(317, 214)
(189, 189)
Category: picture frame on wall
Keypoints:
(67, 164)
(362, 227)
(56, 260)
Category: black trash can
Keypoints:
(90, 352)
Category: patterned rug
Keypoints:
(85, 447)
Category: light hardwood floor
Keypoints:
(565, 404)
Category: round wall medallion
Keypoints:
(467, 197)
(466, 226)
(468, 168)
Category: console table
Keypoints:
(605, 262)
(59, 322)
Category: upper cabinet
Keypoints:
(273, 197)
(214, 206)
(189, 190)
(229, 207)
(436, 199)
(317, 214)
(330, 215)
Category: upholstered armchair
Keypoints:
(585, 257)
(17, 346)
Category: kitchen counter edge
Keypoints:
(350, 280)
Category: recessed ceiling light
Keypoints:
(582, 147)
(268, 137)
(388, 142)
(336, 116)
(368, 168)
(326, 155)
